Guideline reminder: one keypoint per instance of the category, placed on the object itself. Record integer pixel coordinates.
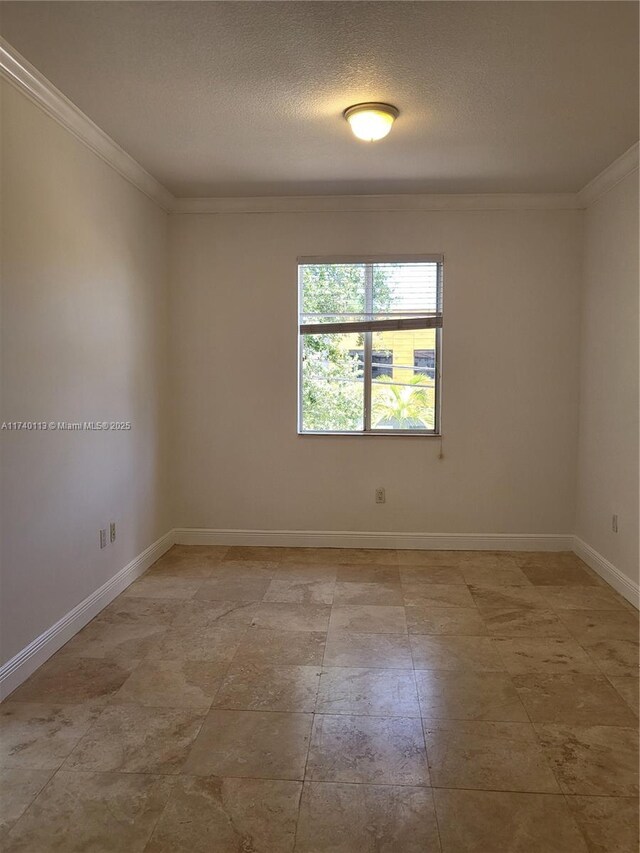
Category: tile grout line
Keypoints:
(426, 755)
(162, 810)
(376, 784)
(306, 761)
(33, 801)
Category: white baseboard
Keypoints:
(20, 667)
(607, 571)
(374, 539)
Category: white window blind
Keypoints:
(395, 296)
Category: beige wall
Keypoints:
(83, 338)
(608, 434)
(511, 302)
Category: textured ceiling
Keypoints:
(237, 99)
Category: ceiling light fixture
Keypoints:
(371, 121)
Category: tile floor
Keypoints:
(272, 700)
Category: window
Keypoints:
(380, 358)
(424, 361)
(370, 340)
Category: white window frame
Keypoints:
(368, 430)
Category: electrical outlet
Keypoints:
(380, 496)
(103, 537)
(112, 532)
(614, 523)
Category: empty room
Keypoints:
(319, 427)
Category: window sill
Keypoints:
(377, 433)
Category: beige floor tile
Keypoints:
(581, 597)
(496, 575)
(198, 552)
(497, 822)
(261, 569)
(68, 680)
(19, 789)
(431, 574)
(543, 654)
(347, 592)
(560, 575)
(204, 643)
(256, 744)
(364, 556)
(300, 590)
(320, 569)
(240, 588)
(521, 620)
(629, 688)
(36, 736)
(338, 818)
(372, 573)
(548, 560)
(339, 556)
(436, 594)
(97, 812)
(328, 556)
(380, 750)
(614, 657)
(596, 760)
(600, 624)
(478, 654)
(159, 586)
(489, 559)
(252, 553)
(429, 558)
(464, 695)
(115, 640)
(228, 816)
(173, 684)
(495, 600)
(387, 651)
(377, 692)
(487, 756)
(183, 565)
(576, 699)
(281, 616)
(609, 824)
(256, 687)
(134, 739)
(307, 572)
(199, 614)
(368, 619)
(526, 623)
(165, 680)
(264, 646)
(133, 611)
(457, 621)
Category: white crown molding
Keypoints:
(379, 203)
(20, 667)
(374, 539)
(609, 177)
(607, 571)
(18, 71)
